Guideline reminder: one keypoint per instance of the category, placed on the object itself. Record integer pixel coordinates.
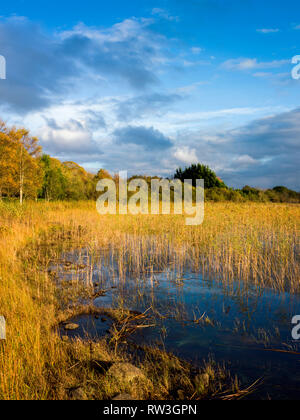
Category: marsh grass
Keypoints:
(254, 244)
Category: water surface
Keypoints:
(197, 317)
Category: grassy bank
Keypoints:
(254, 243)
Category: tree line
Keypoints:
(217, 190)
(27, 173)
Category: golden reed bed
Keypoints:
(257, 244)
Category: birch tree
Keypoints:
(28, 171)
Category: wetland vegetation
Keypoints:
(203, 312)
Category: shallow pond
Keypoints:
(196, 318)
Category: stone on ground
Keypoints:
(78, 394)
(123, 397)
(125, 372)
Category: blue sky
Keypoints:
(152, 85)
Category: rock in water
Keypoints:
(71, 327)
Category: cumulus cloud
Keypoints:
(41, 68)
(147, 138)
(138, 106)
(126, 50)
(274, 135)
(109, 119)
(70, 138)
(35, 67)
(265, 153)
(94, 120)
(186, 155)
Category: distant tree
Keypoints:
(254, 194)
(249, 190)
(281, 189)
(199, 171)
(54, 180)
(272, 196)
(102, 174)
(286, 195)
(8, 182)
(80, 183)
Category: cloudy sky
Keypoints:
(147, 86)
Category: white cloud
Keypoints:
(191, 88)
(70, 137)
(245, 160)
(262, 74)
(189, 117)
(186, 155)
(196, 50)
(45, 69)
(252, 64)
(83, 81)
(268, 31)
(164, 14)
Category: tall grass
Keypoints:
(257, 244)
